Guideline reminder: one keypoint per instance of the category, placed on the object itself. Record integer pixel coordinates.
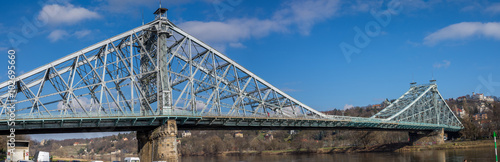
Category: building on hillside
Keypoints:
(482, 107)
(116, 152)
(269, 136)
(481, 119)
(186, 134)
(460, 112)
(125, 139)
(79, 144)
(481, 97)
(480, 116)
(238, 135)
(461, 99)
(43, 142)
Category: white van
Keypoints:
(42, 156)
(132, 159)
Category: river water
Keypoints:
(475, 155)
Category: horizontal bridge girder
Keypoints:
(132, 123)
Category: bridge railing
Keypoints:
(138, 114)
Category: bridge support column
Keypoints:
(159, 144)
(427, 138)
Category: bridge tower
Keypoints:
(159, 144)
(421, 104)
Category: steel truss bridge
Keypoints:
(143, 77)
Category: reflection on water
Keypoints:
(474, 155)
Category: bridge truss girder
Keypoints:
(420, 104)
(122, 76)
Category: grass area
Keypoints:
(68, 159)
(451, 145)
(73, 150)
(398, 147)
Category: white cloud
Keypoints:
(230, 31)
(410, 6)
(444, 64)
(472, 7)
(82, 33)
(416, 3)
(493, 8)
(463, 30)
(304, 14)
(124, 6)
(22, 72)
(57, 35)
(296, 14)
(286, 89)
(485, 7)
(61, 34)
(237, 45)
(347, 106)
(55, 14)
(362, 6)
(132, 6)
(85, 102)
(414, 44)
(200, 105)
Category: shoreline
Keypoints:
(451, 145)
(396, 147)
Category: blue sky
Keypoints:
(312, 50)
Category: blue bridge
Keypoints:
(155, 74)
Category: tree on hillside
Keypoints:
(471, 129)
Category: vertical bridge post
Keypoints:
(159, 144)
(164, 91)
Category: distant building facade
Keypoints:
(186, 134)
(238, 135)
(481, 97)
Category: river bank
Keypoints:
(451, 145)
(397, 147)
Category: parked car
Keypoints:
(132, 159)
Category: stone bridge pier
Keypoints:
(159, 144)
(427, 138)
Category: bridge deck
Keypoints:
(134, 123)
